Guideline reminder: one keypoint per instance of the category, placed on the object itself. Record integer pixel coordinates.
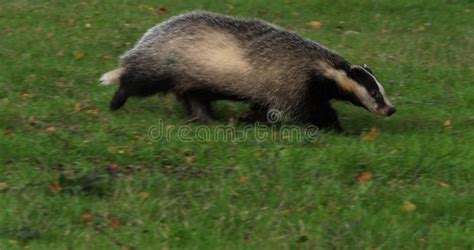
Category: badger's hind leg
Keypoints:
(198, 109)
(119, 99)
(323, 116)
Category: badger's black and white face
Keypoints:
(368, 92)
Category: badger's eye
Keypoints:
(375, 94)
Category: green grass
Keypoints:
(55, 127)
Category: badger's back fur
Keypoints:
(225, 57)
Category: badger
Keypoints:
(202, 57)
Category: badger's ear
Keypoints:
(367, 68)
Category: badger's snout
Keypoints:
(391, 111)
(388, 111)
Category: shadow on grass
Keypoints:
(101, 181)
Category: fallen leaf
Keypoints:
(3, 186)
(26, 95)
(242, 179)
(421, 28)
(55, 187)
(87, 218)
(163, 10)
(372, 135)
(447, 123)
(8, 132)
(350, 32)
(190, 159)
(78, 107)
(78, 55)
(443, 184)
(94, 112)
(408, 206)
(51, 129)
(394, 152)
(315, 24)
(364, 177)
(136, 137)
(88, 25)
(115, 223)
(143, 195)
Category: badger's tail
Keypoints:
(112, 77)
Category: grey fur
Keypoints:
(244, 59)
(276, 57)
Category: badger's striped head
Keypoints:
(363, 89)
(369, 92)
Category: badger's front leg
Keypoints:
(258, 113)
(323, 116)
(197, 108)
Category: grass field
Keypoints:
(74, 175)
